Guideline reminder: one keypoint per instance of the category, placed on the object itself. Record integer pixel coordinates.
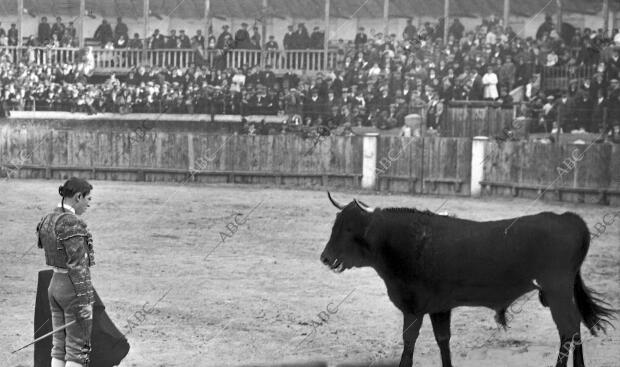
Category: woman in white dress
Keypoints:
(489, 81)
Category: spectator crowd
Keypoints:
(377, 80)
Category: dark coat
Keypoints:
(44, 33)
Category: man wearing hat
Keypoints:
(302, 39)
(221, 39)
(317, 39)
(313, 105)
(271, 45)
(171, 41)
(360, 38)
(267, 77)
(256, 39)
(199, 39)
(614, 105)
(549, 115)
(13, 35)
(242, 38)
(410, 31)
(184, 40)
(566, 112)
(545, 28)
(157, 40)
(288, 40)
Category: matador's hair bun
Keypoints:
(73, 186)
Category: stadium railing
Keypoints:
(559, 77)
(122, 60)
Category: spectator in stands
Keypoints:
(2, 31)
(599, 113)
(136, 42)
(255, 39)
(121, 30)
(104, 34)
(225, 38)
(613, 111)
(566, 112)
(58, 29)
(301, 40)
(271, 45)
(122, 41)
(242, 38)
(456, 30)
(313, 105)
(13, 35)
(287, 41)
(184, 41)
(410, 32)
(360, 38)
(545, 28)
(317, 39)
(199, 39)
(157, 40)
(490, 81)
(172, 41)
(71, 32)
(44, 32)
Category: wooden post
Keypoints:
(506, 13)
(207, 22)
(559, 127)
(386, 17)
(606, 17)
(264, 27)
(326, 38)
(81, 22)
(559, 18)
(20, 22)
(446, 20)
(146, 13)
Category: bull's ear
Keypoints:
(363, 206)
(336, 204)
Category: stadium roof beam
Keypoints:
(145, 14)
(81, 22)
(326, 34)
(446, 20)
(207, 21)
(386, 15)
(606, 17)
(559, 16)
(506, 13)
(20, 22)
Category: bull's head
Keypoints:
(348, 245)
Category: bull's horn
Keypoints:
(363, 206)
(336, 204)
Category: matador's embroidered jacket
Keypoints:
(68, 245)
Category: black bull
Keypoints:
(432, 263)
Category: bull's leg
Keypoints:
(441, 328)
(411, 330)
(567, 319)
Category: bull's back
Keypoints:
(504, 251)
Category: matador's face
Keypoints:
(81, 203)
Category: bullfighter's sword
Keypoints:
(45, 336)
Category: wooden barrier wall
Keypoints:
(475, 121)
(155, 156)
(571, 172)
(428, 165)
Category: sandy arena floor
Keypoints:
(252, 299)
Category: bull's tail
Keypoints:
(595, 312)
